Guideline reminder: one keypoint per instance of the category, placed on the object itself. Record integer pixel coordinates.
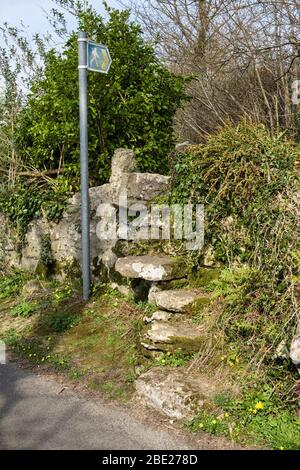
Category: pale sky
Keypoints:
(32, 14)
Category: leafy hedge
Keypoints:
(248, 181)
(133, 106)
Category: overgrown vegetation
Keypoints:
(23, 201)
(248, 182)
(51, 327)
(132, 107)
(11, 285)
(246, 174)
(256, 419)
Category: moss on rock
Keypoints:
(203, 277)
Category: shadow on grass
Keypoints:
(95, 343)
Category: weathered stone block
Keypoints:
(295, 350)
(175, 300)
(160, 315)
(146, 186)
(181, 336)
(150, 268)
(175, 393)
(123, 161)
(65, 236)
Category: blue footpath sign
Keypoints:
(98, 57)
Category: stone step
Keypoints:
(177, 336)
(175, 393)
(159, 315)
(150, 268)
(176, 300)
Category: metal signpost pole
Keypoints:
(94, 57)
(84, 164)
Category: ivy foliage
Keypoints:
(132, 107)
(248, 181)
(24, 202)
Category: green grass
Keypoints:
(256, 419)
(37, 351)
(95, 343)
(62, 321)
(98, 344)
(173, 359)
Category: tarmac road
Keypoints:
(35, 415)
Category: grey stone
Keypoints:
(124, 290)
(160, 315)
(30, 264)
(174, 393)
(123, 161)
(183, 336)
(282, 351)
(183, 146)
(150, 268)
(176, 300)
(153, 290)
(65, 236)
(146, 186)
(295, 350)
(9, 257)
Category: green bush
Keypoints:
(248, 181)
(10, 286)
(133, 106)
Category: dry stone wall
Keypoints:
(65, 236)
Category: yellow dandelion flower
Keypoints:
(259, 405)
(201, 425)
